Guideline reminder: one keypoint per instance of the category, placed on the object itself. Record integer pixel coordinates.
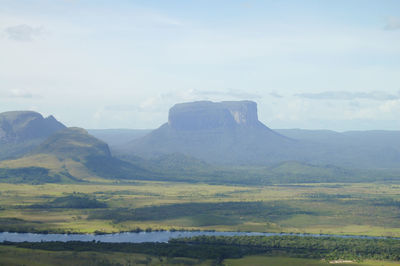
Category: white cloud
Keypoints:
(135, 63)
(393, 23)
(226, 93)
(275, 95)
(23, 32)
(19, 93)
(345, 95)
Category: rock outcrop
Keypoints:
(20, 126)
(207, 115)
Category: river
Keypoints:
(141, 237)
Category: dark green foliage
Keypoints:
(30, 175)
(156, 249)
(211, 247)
(18, 225)
(388, 202)
(113, 168)
(309, 247)
(75, 201)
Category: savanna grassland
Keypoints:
(11, 256)
(356, 209)
(260, 260)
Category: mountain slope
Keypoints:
(74, 143)
(353, 149)
(21, 131)
(73, 154)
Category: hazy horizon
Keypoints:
(122, 64)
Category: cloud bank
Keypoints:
(23, 32)
(18, 93)
(344, 95)
(393, 23)
(237, 94)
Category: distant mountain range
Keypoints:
(378, 149)
(201, 142)
(230, 133)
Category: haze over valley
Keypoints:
(199, 132)
(207, 140)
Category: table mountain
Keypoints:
(218, 132)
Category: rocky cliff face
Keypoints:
(19, 126)
(206, 115)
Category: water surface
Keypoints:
(131, 237)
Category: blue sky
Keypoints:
(123, 64)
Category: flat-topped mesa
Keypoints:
(205, 115)
(222, 132)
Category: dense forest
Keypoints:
(220, 248)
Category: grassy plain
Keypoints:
(10, 256)
(357, 209)
(278, 261)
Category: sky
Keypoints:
(311, 64)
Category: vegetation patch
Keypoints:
(75, 201)
(328, 248)
(18, 225)
(220, 248)
(29, 175)
(217, 213)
